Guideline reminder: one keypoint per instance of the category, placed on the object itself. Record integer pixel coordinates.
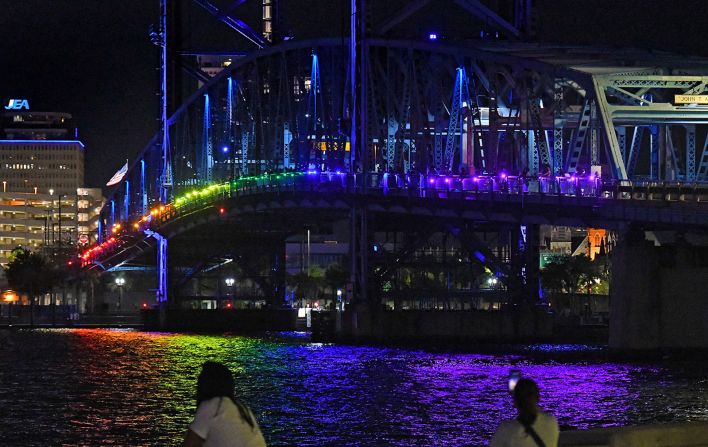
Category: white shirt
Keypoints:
(512, 434)
(219, 423)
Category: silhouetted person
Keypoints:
(533, 427)
(221, 419)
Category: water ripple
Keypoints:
(122, 387)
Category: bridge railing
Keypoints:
(478, 187)
(432, 186)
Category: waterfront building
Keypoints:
(43, 200)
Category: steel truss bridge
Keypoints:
(480, 131)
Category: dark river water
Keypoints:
(129, 388)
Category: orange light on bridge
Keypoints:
(136, 226)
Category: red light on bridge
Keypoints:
(145, 305)
(229, 305)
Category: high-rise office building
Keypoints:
(43, 201)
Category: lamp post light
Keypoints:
(50, 218)
(229, 283)
(339, 299)
(120, 282)
(9, 296)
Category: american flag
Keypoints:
(118, 176)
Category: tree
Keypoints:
(571, 274)
(336, 277)
(307, 285)
(31, 274)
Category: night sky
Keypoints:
(94, 59)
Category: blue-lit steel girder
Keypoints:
(113, 213)
(143, 189)
(690, 152)
(654, 162)
(617, 165)
(702, 174)
(558, 124)
(672, 162)
(411, 8)
(460, 101)
(235, 24)
(162, 266)
(634, 150)
(594, 141)
(228, 10)
(194, 72)
(166, 171)
(126, 201)
(314, 115)
(206, 158)
(576, 147)
(622, 141)
(489, 17)
(540, 153)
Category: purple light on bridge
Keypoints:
(475, 179)
(311, 172)
(573, 178)
(431, 181)
(503, 175)
(447, 180)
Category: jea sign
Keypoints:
(17, 104)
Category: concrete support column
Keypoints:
(531, 263)
(634, 293)
(657, 294)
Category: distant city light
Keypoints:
(432, 36)
(225, 149)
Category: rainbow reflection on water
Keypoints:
(121, 387)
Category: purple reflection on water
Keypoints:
(132, 388)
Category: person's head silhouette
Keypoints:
(526, 396)
(215, 380)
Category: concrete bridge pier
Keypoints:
(659, 292)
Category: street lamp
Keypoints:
(9, 296)
(230, 282)
(120, 282)
(339, 299)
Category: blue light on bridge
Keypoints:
(225, 149)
